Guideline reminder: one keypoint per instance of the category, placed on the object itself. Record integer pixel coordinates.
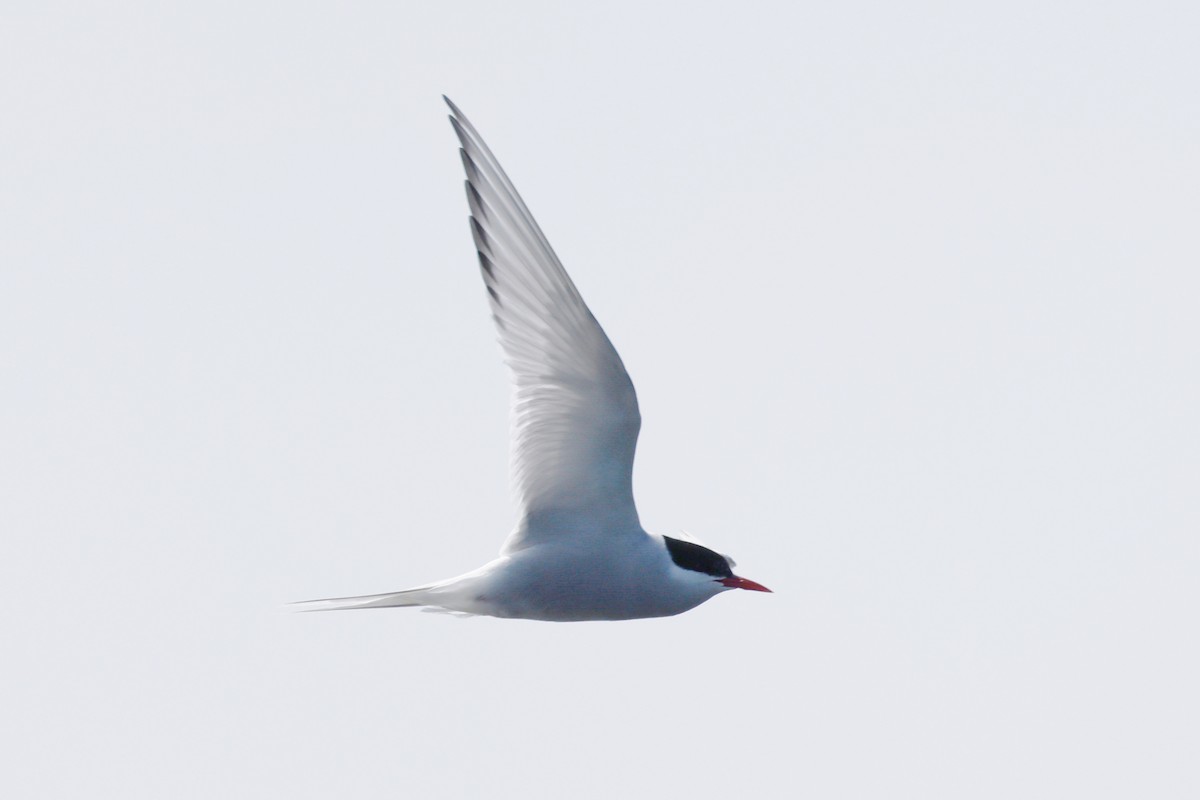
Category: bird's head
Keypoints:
(705, 564)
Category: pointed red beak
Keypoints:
(743, 583)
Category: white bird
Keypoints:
(578, 551)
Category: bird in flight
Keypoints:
(578, 551)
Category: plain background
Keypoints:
(909, 294)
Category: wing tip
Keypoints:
(460, 131)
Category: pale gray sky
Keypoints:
(909, 295)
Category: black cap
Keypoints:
(698, 558)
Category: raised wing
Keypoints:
(575, 413)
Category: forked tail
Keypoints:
(408, 597)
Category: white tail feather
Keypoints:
(408, 597)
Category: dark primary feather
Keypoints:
(575, 412)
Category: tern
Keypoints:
(578, 551)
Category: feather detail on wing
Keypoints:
(575, 412)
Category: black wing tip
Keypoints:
(460, 131)
(494, 295)
(485, 263)
(482, 242)
(458, 118)
(475, 200)
(469, 165)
